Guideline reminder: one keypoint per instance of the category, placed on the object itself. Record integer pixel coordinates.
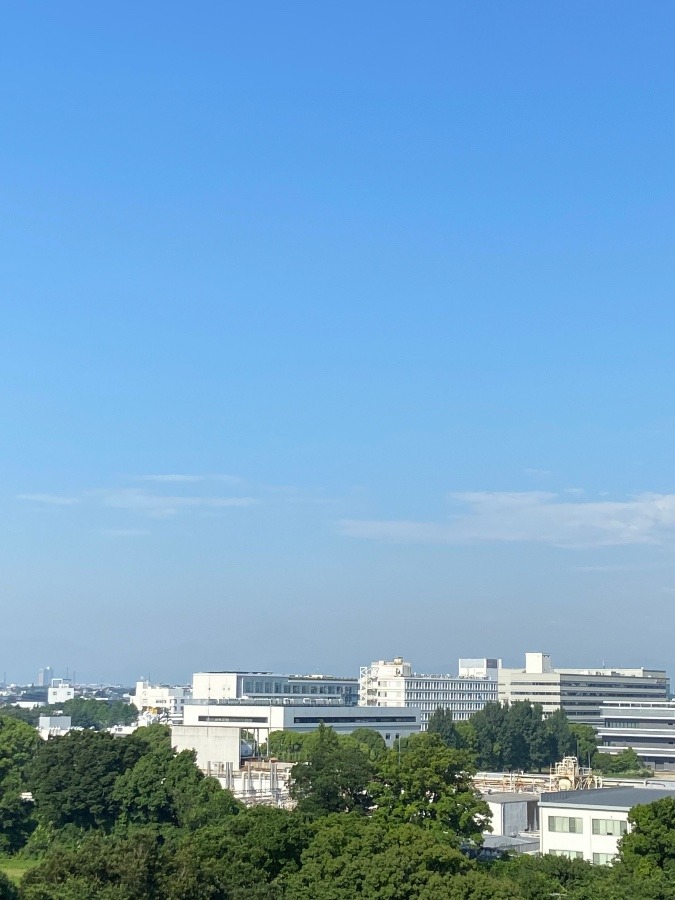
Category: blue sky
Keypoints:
(335, 331)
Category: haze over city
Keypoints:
(336, 332)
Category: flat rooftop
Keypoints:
(617, 798)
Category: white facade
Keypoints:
(216, 730)
(268, 685)
(60, 691)
(53, 726)
(588, 824)
(158, 698)
(479, 668)
(579, 692)
(648, 728)
(392, 683)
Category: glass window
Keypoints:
(570, 854)
(603, 859)
(566, 824)
(613, 827)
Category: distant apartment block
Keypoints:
(392, 683)
(268, 685)
(579, 692)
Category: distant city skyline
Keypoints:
(336, 333)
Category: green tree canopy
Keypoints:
(72, 778)
(334, 776)
(429, 784)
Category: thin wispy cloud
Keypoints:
(49, 499)
(177, 478)
(164, 506)
(126, 532)
(533, 516)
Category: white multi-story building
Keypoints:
(646, 727)
(392, 683)
(587, 824)
(60, 691)
(226, 731)
(579, 692)
(268, 685)
(160, 699)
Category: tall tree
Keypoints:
(429, 784)
(441, 723)
(73, 777)
(334, 776)
(18, 745)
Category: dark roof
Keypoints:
(611, 798)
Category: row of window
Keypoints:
(575, 825)
(599, 859)
(269, 687)
(372, 720)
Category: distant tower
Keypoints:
(45, 676)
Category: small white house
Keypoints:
(53, 726)
(588, 824)
(60, 691)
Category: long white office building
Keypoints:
(392, 683)
(646, 727)
(226, 732)
(269, 685)
(579, 692)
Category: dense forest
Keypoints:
(127, 818)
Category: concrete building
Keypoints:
(268, 685)
(513, 813)
(649, 728)
(227, 731)
(53, 726)
(392, 683)
(588, 824)
(160, 699)
(60, 691)
(579, 692)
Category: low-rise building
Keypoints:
(227, 731)
(53, 726)
(513, 813)
(160, 699)
(647, 727)
(588, 824)
(392, 683)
